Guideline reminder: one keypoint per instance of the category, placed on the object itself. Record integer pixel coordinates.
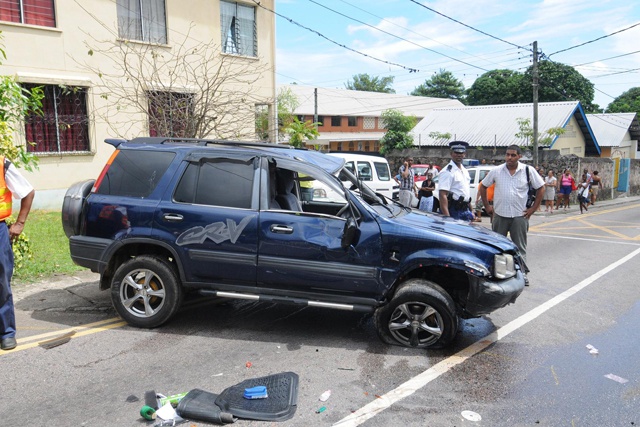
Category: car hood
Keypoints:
(448, 225)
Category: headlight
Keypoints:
(504, 266)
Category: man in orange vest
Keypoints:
(11, 184)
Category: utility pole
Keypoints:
(535, 103)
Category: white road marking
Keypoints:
(414, 384)
(584, 239)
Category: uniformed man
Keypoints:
(454, 191)
(11, 184)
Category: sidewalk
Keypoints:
(600, 204)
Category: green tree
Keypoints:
(496, 87)
(441, 85)
(559, 82)
(300, 131)
(398, 127)
(628, 102)
(545, 138)
(367, 83)
(286, 103)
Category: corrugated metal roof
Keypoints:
(610, 129)
(497, 125)
(343, 102)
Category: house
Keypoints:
(490, 126)
(351, 120)
(120, 68)
(617, 134)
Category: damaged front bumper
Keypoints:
(487, 295)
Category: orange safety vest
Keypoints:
(5, 194)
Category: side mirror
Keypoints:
(349, 234)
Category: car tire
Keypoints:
(145, 291)
(72, 206)
(421, 314)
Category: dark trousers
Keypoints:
(7, 313)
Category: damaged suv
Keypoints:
(272, 223)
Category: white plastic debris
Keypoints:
(616, 378)
(471, 416)
(325, 396)
(592, 349)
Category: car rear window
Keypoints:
(135, 173)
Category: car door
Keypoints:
(300, 252)
(211, 220)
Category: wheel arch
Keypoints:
(117, 254)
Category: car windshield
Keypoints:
(420, 170)
(381, 204)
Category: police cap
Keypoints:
(458, 146)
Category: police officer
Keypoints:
(454, 191)
(11, 183)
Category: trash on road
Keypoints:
(471, 416)
(55, 342)
(616, 378)
(592, 349)
(325, 396)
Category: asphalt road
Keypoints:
(527, 364)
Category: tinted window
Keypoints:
(382, 169)
(222, 182)
(135, 173)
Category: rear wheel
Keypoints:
(145, 291)
(421, 314)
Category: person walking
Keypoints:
(550, 184)
(11, 184)
(425, 194)
(583, 192)
(407, 184)
(454, 185)
(511, 210)
(596, 186)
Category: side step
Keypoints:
(288, 300)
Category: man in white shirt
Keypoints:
(511, 213)
(453, 185)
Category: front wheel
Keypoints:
(420, 315)
(145, 291)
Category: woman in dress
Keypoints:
(425, 194)
(550, 184)
(596, 185)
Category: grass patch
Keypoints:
(50, 248)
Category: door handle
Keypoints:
(172, 217)
(281, 229)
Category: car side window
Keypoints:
(472, 175)
(382, 169)
(364, 171)
(217, 182)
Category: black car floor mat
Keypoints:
(280, 405)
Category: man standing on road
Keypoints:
(454, 190)
(11, 183)
(407, 184)
(511, 213)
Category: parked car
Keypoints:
(373, 170)
(226, 219)
(420, 172)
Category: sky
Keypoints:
(323, 43)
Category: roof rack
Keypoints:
(197, 141)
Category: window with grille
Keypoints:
(63, 126)
(369, 123)
(32, 12)
(143, 20)
(336, 121)
(171, 114)
(238, 29)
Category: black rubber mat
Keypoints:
(281, 404)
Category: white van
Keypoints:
(373, 171)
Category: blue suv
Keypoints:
(272, 223)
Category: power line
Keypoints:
(395, 36)
(606, 59)
(594, 40)
(410, 69)
(469, 26)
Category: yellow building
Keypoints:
(127, 68)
